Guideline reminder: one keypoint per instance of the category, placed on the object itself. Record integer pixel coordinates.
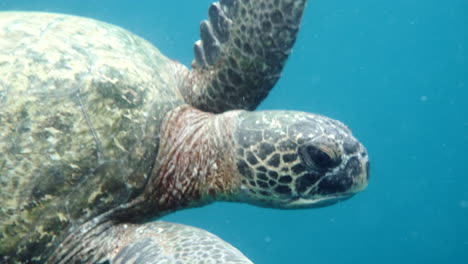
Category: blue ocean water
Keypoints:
(396, 72)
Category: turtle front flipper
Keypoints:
(150, 243)
(243, 48)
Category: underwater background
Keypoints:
(396, 72)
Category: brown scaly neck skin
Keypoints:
(194, 167)
(195, 163)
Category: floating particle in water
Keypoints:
(464, 204)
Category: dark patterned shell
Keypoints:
(81, 103)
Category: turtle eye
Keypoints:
(320, 158)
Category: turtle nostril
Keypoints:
(350, 147)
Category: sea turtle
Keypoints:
(100, 134)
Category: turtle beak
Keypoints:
(361, 181)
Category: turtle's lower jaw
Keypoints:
(316, 202)
(330, 198)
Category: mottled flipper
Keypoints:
(150, 243)
(243, 48)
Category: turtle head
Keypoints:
(294, 160)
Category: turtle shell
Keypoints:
(81, 105)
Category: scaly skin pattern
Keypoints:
(152, 242)
(81, 105)
(295, 160)
(163, 242)
(243, 48)
(195, 161)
